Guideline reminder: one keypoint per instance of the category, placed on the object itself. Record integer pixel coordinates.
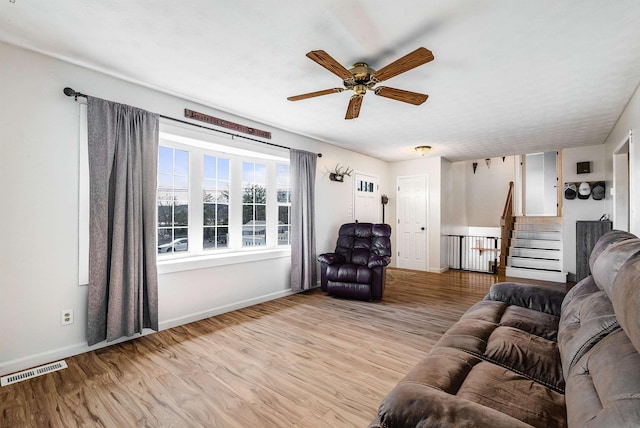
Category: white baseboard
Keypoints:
(441, 270)
(164, 325)
(24, 363)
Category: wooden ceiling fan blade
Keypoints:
(414, 98)
(412, 60)
(315, 94)
(353, 110)
(327, 61)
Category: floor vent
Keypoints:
(31, 373)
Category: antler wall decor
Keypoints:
(338, 174)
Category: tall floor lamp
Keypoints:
(385, 200)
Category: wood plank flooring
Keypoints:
(304, 361)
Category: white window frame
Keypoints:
(199, 142)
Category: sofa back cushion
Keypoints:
(626, 299)
(599, 337)
(606, 240)
(587, 317)
(608, 263)
(603, 389)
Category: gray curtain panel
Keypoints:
(303, 239)
(123, 162)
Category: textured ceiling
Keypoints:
(509, 77)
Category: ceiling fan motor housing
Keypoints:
(361, 80)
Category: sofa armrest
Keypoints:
(376, 261)
(331, 258)
(528, 296)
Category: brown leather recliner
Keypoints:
(356, 269)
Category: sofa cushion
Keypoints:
(349, 272)
(351, 290)
(511, 337)
(587, 317)
(451, 387)
(603, 388)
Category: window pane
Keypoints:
(261, 213)
(222, 237)
(165, 236)
(261, 173)
(223, 169)
(172, 199)
(284, 196)
(247, 214)
(209, 238)
(165, 181)
(247, 173)
(181, 162)
(165, 159)
(284, 233)
(209, 167)
(260, 193)
(181, 182)
(283, 215)
(223, 215)
(165, 214)
(223, 196)
(169, 244)
(209, 214)
(248, 195)
(181, 214)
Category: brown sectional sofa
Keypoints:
(531, 356)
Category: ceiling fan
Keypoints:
(362, 77)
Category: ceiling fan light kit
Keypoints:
(422, 150)
(361, 78)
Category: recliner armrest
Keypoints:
(376, 261)
(527, 296)
(331, 258)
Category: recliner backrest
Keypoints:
(358, 242)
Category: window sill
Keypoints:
(180, 264)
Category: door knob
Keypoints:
(422, 228)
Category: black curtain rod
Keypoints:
(71, 93)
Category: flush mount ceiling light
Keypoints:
(422, 150)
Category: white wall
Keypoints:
(629, 120)
(486, 190)
(580, 209)
(454, 198)
(39, 129)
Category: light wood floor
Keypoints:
(301, 361)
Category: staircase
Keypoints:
(535, 250)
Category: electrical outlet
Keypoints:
(66, 316)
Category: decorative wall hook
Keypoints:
(475, 165)
(488, 162)
(338, 174)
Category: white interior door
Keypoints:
(366, 199)
(541, 180)
(412, 237)
(621, 186)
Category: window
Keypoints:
(283, 182)
(173, 200)
(254, 204)
(215, 200)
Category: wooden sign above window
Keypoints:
(226, 124)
